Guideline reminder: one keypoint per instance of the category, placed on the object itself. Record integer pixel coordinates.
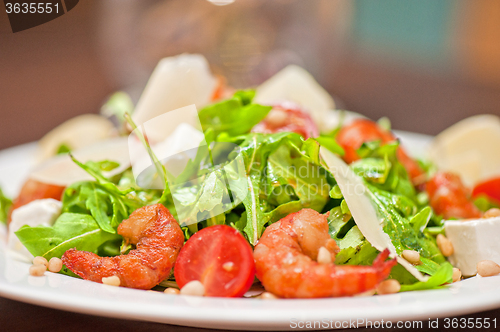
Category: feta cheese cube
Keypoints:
(39, 212)
(473, 241)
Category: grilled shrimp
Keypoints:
(158, 239)
(286, 264)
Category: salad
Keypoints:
(267, 188)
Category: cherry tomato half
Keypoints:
(33, 190)
(288, 116)
(450, 198)
(352, 136)
(220, 258)
(490, 188)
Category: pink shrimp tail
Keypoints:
(384, 267)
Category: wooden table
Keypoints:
(17, 316)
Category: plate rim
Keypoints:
(211, 318)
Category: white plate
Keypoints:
(66, 293)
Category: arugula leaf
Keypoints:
(63, 148)
(127, 183)
(352, 239)
(401, 274)
(234, 116)
(256, 216)
(421, 219)
(211, 192)
(206, 198)
(5, 205)
(70, 230)
(443, 275)
(386, 173)
(402, 204)
(307, 179)
(364, 256)
(160, 168)
(372, 169)
(95, 170)
(310, 150)
(354, 249)
(434, 231)
(117, 106)
(402, 233)
(271, 162)
(245, 96)
(219, 219)
(97, 204)
(428, 266)
(331, 144)
(484, 203)
(110, 248)
(102, 199)
(395, 200)
(255, 149)
(254, 209)
(108, 207)
(335, 192)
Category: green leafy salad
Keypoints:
(284, 173)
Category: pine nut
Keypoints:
(457, 274)
(487, 268)
(411, 256)
(324, 256)
(492, 213)
(37, 270)
(268, 296)
(194, 288)
(228, 266)
(171, 290)
(111, 281)
(389, 286)
(40, 260)
(55, 264)
(444, 245)
(370, 292)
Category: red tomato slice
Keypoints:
(220, 258)
(490, 188)
(450, 198)
(352, 136)
(33, 190)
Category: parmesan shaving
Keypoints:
(361, 206)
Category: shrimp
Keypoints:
(158, 239)
(285, 261)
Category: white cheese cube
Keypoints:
(473, 241)
(39, 212)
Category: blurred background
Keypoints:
(425, 64)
